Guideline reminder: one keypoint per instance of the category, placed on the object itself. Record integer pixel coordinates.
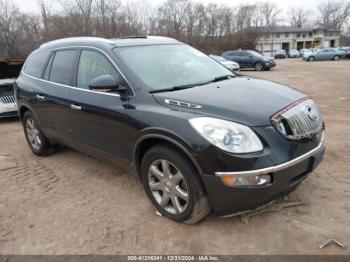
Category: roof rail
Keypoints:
(131, 36)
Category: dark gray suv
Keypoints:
(199, 137)
(250, 59)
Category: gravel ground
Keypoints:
(70, 203)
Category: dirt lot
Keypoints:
(69, 203)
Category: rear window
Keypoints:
(63, 65)
(36, 62)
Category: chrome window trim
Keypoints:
(76, 88)
(275, 168)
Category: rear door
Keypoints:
(58, 76)
(324, 55)
(48, 78)
(236, 57)
(247, 60)
(98, 118)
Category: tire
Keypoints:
(165, 189)
(36, 140)
(258, 66)
(311, 59)
(336, 58)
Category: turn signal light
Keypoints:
(255, 180)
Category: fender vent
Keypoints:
(183, 104)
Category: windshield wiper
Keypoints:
(175, 88)
(220, 78)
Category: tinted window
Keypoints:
(91, 65)
(36, 62)
(62, 69)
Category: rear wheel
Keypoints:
(258, 66)
(172, 184)
(336, 58)
(37, 141)
(311, 59)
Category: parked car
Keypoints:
(345, 51)
(199, 137)
(8, 107)
(324, 54)
(293, 53)
(249, 59)
(233, 66)
(281, 54)
(304, 50)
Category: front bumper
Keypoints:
(226, 200)
(269, 65)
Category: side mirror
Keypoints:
(106, 83)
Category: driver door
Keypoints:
(98, 119)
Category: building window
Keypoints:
(267, 36)
(304, 35)
(298, 35)
(286, 35)
(277, 35)
(310, 34)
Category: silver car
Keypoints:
(233, 66)
(8, 106)
(324, 54)
(293, 53)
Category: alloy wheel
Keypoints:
(258, 67)
(168, 186)
(33, 134)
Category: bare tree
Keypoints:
(333, 14)
(270, 13)
(10, 30)
(299, 16)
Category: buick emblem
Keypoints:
(311, 113)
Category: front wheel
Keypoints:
(258, 66)
(336, 58)
(311, 59)
(37, 141)
(172, 184)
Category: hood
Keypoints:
(228, 62)
(241, 99)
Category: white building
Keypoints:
(289, 37)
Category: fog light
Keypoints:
(255, 180)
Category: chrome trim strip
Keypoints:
(276, 168)
(86, 90)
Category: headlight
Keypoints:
(228, 136)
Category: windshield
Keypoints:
(166, 66)
(254, 53)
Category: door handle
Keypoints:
(40, 97)
(75, 107)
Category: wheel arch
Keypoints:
(22, 110)
(148, 140)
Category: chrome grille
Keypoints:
(7, 99)
(299, 120)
